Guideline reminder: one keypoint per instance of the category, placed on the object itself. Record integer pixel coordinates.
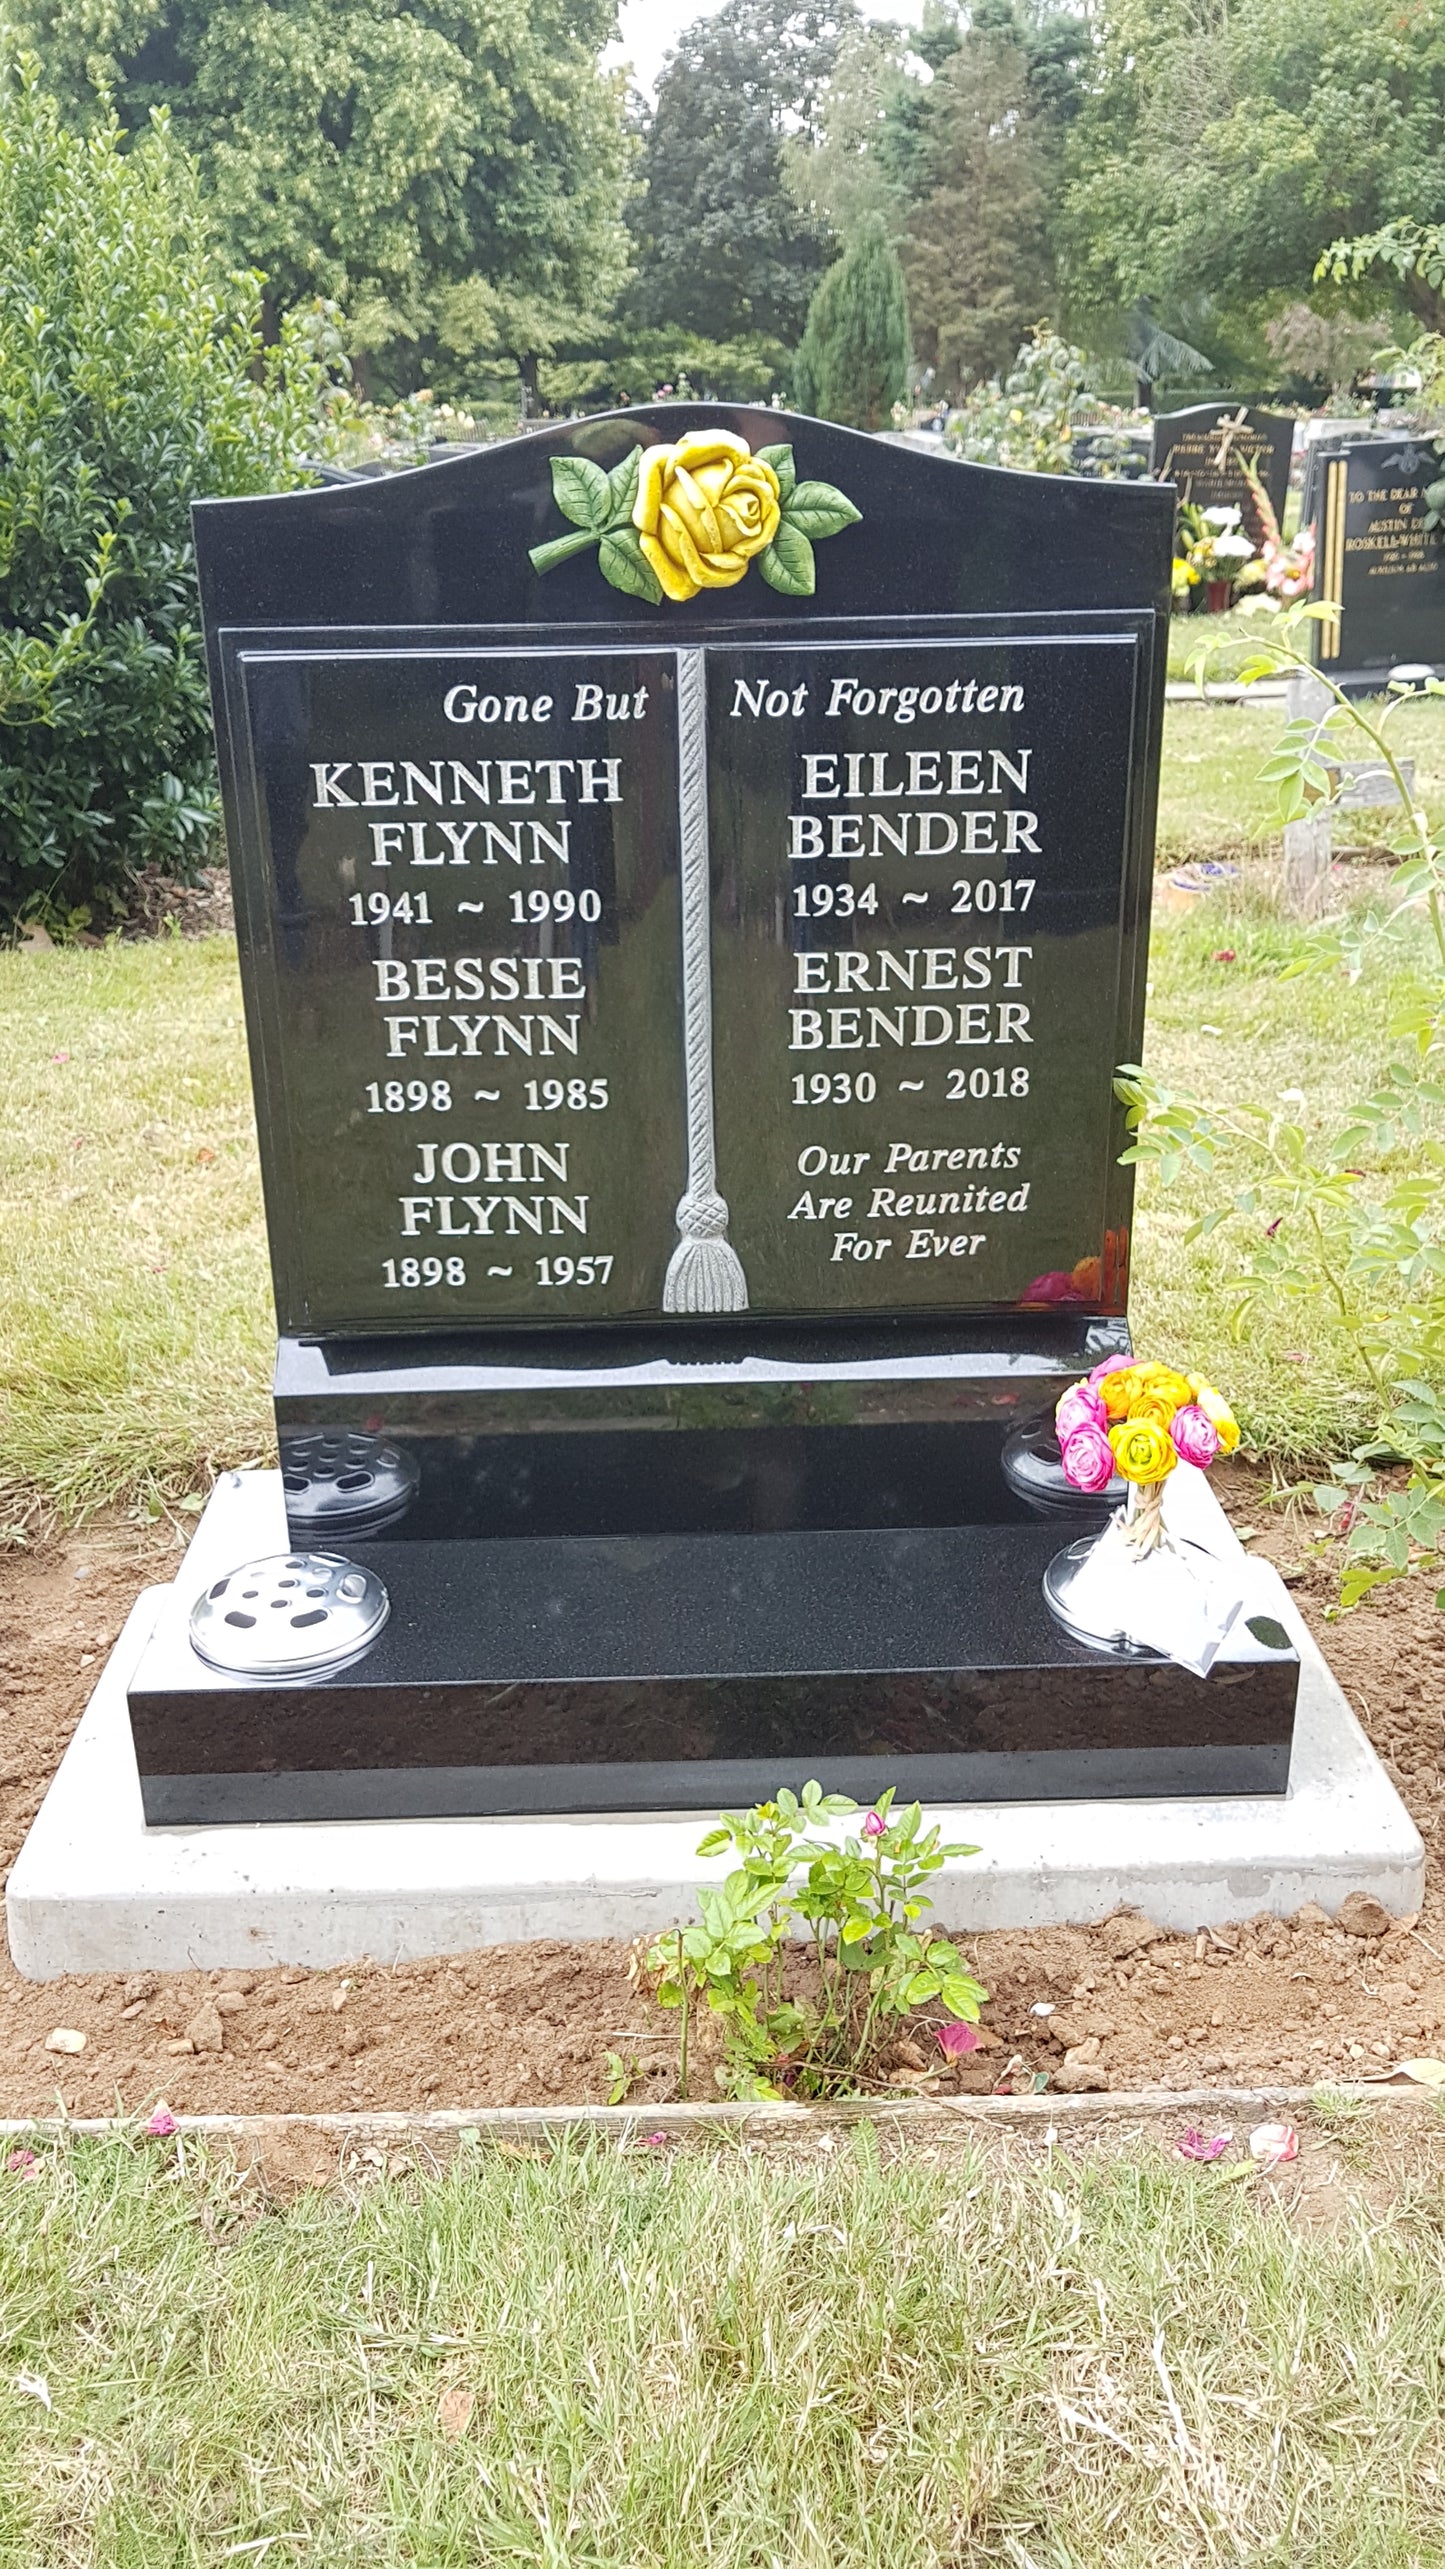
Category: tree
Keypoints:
(453, 172)
(132, 381)
(1222, 146)
(977, 251)
(854, 361)
(723, 249)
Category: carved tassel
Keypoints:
(704, 1272)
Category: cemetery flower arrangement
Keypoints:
(1281, 570)
(1212, 546)
(671, 521)
(1139, 1421)
(858, 1906)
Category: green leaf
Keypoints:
(817, 509)
(622, 561)
(788, 563)
(781, 460)
(582, 491)
(622, 483)
(715, 1843)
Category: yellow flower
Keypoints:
(1150, 1408)
(1118, 1392)
(704, 508)
(1218, 1412)
(1143, 1450)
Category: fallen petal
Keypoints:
(162, 2124)
(23, 2163)
(1194, 2144)
(1273, 2144)
(955, 2040)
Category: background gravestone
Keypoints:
(1189, 445)
(1378, 561)
(683, 1029)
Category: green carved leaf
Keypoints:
(622, 483)
(781, 459)
(582, 491)
(788, 563)
(816, 509)
(624, 563)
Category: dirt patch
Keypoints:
(1277, 2003)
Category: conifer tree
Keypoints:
(853, 364)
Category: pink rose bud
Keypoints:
(874, 1825)
(1196, 1438)
(1088, 1459)
(162, 2124)
(1080, 1406)
(1110, 1365)
(955, 2040)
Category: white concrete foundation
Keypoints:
(94, 1890)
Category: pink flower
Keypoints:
(1195, 2144)
(1196, 1438)
(1080, 1406)
(955, 2040)
(1110, 1365)
(874, 1825)
(1088, 1459)
(1274, 2144)
(23, 2163)
(162, 2124)
(656, 2140)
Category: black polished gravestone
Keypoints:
(1378, 562)
(1199, 451)
(692, 876)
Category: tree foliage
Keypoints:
(853, 364)
(453, 172)
(131, 381)
(724, 249)
(1222, 146)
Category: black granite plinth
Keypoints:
(611, 1673)
(773, 1429)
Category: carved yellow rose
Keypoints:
(704, 509)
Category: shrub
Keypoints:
(1025, 421)
(132, 380)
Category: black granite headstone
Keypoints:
(1198, 451)
(1378, 562)
(691, 908)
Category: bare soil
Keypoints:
(1273, 2003)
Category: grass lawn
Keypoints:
(593, 2358)
(135, 1314)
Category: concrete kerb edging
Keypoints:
(620, 2122)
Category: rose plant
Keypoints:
(858, 1907)
(1351, 1217)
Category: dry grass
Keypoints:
(598, 2358)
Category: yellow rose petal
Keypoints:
(696, 511)
(722, 570)
(715, 479)
(674, 537)
(652, 473)
(675, 583)
(709, 446)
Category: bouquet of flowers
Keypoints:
(1139, 1421)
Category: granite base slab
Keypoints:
(94, 1889)
(681, 1672)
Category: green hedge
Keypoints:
(132, 380)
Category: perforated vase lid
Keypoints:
(288, 1614)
